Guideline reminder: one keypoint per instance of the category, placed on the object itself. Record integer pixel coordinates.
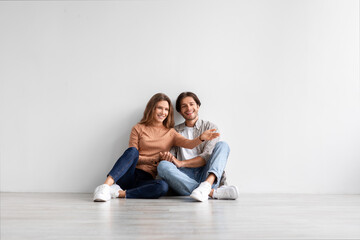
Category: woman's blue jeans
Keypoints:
(136, 182)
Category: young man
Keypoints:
(196, 172)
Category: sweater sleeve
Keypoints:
(147, 160)
(181, 141)
(134, 137)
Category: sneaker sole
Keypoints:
(197, 198)
(100, 200)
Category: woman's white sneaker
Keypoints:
(226, 192)
(114, 190)
(102, 193)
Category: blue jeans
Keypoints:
(185, 180)
(136, 182)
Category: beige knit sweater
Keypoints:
(150, 141)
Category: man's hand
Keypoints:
(167, 156)
(209, 135)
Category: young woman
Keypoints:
(135, 170)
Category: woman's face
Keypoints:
(161, 111)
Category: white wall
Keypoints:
(280, 79)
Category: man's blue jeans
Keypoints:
(185, 180)
(136, 182)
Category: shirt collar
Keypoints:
(197, 125)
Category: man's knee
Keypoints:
(163, 168)
(223, 146)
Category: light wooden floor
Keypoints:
(252, 216)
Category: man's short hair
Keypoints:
(184, 95)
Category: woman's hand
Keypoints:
(209, 135)
(167, 156)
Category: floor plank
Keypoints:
(252, 216)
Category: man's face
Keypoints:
(188, 108)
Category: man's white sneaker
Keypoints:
(226, 192)
(102, 193)
(201, 193)
(114, 190)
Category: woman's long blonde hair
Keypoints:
(148, 117)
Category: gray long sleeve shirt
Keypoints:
(206, 148)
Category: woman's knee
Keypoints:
(133, 151)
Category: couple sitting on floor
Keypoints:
(189, 158)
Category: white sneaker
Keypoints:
(226, 192)
(114, 190)
(102, 193)
(201, 193)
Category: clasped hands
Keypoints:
(167, 156)
(207, 135)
